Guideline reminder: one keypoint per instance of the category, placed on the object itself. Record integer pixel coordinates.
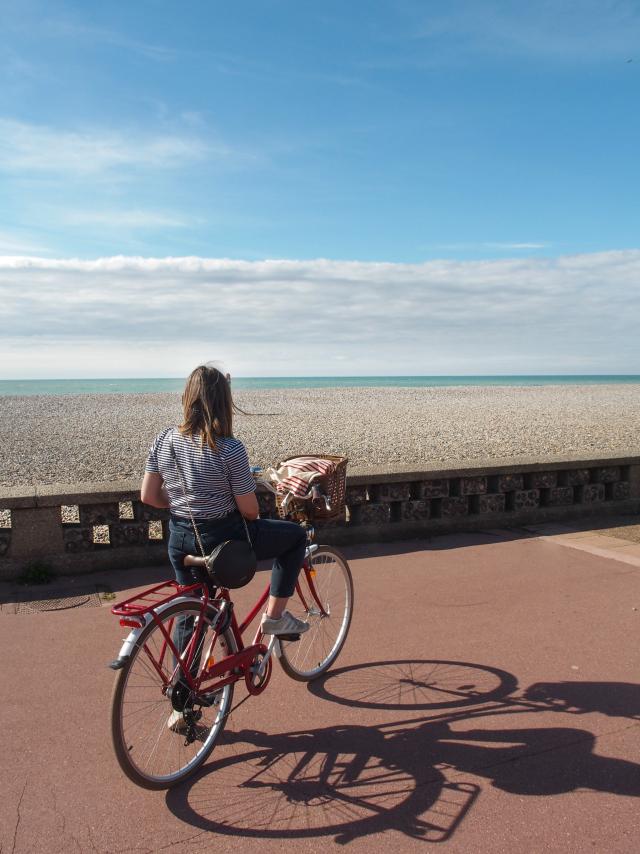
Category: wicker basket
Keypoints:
(332, 485)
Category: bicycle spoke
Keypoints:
(327, 592)
(155, 745)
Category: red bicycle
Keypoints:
(157, 676)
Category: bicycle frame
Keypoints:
(134, 612)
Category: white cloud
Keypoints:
(78, 31)
(130, 219)
(587, 31)
(36, 148)
(479, 246)
(509, 246)
(12, 243)
(288, 316)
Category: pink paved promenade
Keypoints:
(488, 699)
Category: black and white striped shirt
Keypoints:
(210, 484)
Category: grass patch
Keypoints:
(105, 593)
(37, 572)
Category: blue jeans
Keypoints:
(284, 542)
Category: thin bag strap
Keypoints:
(184, 490)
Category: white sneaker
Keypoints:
(287, 624)
(176, 722)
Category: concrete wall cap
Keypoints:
(17, 497)
(87, 493)
(473, 468)
(47, 495)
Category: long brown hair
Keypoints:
(207, 406)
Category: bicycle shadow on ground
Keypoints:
(414, 685)
(351, 781)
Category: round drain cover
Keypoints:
(60, 603)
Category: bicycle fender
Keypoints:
(131, 640)
(126, 649)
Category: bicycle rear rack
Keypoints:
(131, 610)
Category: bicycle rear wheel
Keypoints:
(327, 590)
(151, 750)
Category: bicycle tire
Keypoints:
(319, 647)
(130, 744)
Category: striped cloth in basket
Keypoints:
(298, 474)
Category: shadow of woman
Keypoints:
(535, 761)
(615, 699)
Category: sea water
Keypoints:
(176, 384)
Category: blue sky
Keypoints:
(396, 132)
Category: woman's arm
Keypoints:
(241, 480)
(248, 505)
(153, 490)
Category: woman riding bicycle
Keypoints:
(220, 490)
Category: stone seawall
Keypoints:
(88, 527)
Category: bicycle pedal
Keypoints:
(289, 637)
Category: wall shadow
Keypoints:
(434, 542)
(62, 586)
(485, 536)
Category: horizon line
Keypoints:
(319, 376)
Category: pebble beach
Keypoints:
(72, 439)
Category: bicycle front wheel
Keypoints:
(325, 600)
(158, 745)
